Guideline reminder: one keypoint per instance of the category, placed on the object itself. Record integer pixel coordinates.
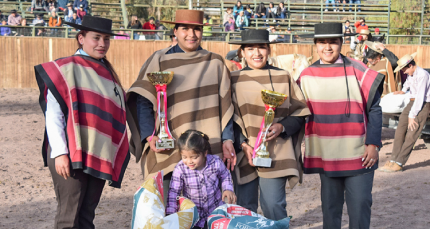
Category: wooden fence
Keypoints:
(20, 55)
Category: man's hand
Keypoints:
(370, 156)
(380, 46)
(412, 124)
(248, 151)
(62, 166)
(229, 154)
(152, 143)
(398, 93)
(274, 131)
(229, 196)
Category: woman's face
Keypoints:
(256, 55)
(53, 13)
(239, 4)
(281, 4)
(270, 5)
(23, 22)
(95, 44)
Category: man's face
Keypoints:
(74, 15)
(3, 22)
(189, 37)
(408, 70)
(361, 22)
(365, 37)
(373, 62)
(151, 21)
(13, 14)
(347, 24)
(376, 32)
(328, 49)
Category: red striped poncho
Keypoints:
(94, 113)
(335, 142)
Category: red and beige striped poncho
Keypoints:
(95, 116)
(335, 142)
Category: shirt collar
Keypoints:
(338, 61)
(83, 53)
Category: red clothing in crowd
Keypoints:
(81, 13)
(360, 27)
(150, 26)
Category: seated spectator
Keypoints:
(347, 39)
(62, 4)
(40, 32)
(241, 21)
(77, 5)
(14, 18)
(227, 16)
(272, 37)
(355, 2)
(54, 20)
(23, 31)
(134, 24)
(207, 28)
(150, 25)
(288, 36)
(126, 37)
(38, 5)
(376, 31)
(237, 9)
(2, 17)
(271, 12)
(52, 5)
(229, 26)
(248, 12)
(260, 11)
(74, 19)
(4, 31)
(348, 26)
(68, 12)
(158, 26)
(333, 2)
(81, 12)
(282, 11)
(39, 20)
(361, 24)
(343, 5)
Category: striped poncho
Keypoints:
(199, 97)
(335, 142)
(391, 83)
(249, 112)
(95, 116)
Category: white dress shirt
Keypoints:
(419, 85)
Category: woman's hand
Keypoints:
(62, 166)
(229, 196)
(152, 143)
(274, 131)
(248, 151)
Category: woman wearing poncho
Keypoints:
(284, 137)
(86, 140)
(343, 133)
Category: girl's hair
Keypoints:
(105, 61)
(133, 22)
(271, 3)
(194, 140)
(237, 3)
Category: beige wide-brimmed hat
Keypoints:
(371, 45)
(364, 32)
(405, 60)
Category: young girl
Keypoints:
(198, 176)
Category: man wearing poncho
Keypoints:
(284, 137)
(198, 97)
(343, 133)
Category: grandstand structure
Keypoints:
(303, 15)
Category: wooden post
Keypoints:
(389, 19)
(422, 20)
(66, 33)
(322, 11)
(124, 13)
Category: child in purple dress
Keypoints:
(198, 176)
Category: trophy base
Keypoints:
(262, 162)
(165, 144)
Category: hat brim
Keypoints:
(312, 35)
(185, 23)
(404, 65)
(248, 42)
(81, 27)
(371, 45)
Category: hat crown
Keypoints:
(189, 17)
(255, 35)
(97, 23)
(405, 60)
(326, 30)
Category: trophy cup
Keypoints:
(271, 100)
(160, 81)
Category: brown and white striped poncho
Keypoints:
(391, 83)
(249, 112)
(199, 97)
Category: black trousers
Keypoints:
(77, 198)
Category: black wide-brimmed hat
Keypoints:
(96, 24)
(328, 30)
(253, 36)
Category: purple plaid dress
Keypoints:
(202, 187)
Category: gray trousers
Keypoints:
(356, 190)
(77, 198)
(272, 196)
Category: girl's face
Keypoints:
(239, 4)
(194, 161)
(270, 5)
(95, 44)
(256, 55)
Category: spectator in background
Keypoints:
(78, 3)
(124, 37)
(14, 18)
(229, 26)
(361, 24)
(134, 24)
(52, 5)
(288, 36)
(150, 25)
(172, 37)
(355, 2)
(23, 31)
(248, 12)
(4, 31)
(158, 26)
(207, 29)
(38, 5)
(272, 37)
(2, 17)
(348, 26)
(260, 11)
(333, 2)
(74, 19)
(81, 12)
(38, 20)
(62, 4)
(237, 9)
(242, 21)
(55, 20)
(282, 11)
(228, 14)
(343, 5)
(68, 12)
(271, 12)
(347, 39)
(376, 32)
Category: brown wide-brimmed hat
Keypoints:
(371, 45)
(188, 17)
(405, 60)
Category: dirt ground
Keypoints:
(400, 200)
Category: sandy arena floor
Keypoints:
(400, 200)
